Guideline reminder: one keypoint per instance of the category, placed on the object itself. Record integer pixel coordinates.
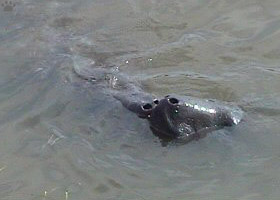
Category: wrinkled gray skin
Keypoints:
(183, 117)
(173, 116)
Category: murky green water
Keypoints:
(64, 138)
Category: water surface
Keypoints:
(65, 138)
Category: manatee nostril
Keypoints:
(147, 106)
(173, 100)
(156, 101)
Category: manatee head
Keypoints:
(184, 117)
(190, 118)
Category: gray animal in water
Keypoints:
(173, 116)
(183, 117)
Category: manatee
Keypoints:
(172, 116)
(183, 117)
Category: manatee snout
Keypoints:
(183, 117)
(144, 110)
(163, 117)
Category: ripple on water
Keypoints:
(61, 135)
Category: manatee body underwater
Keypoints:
(172, 116)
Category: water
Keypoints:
(64, 138)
